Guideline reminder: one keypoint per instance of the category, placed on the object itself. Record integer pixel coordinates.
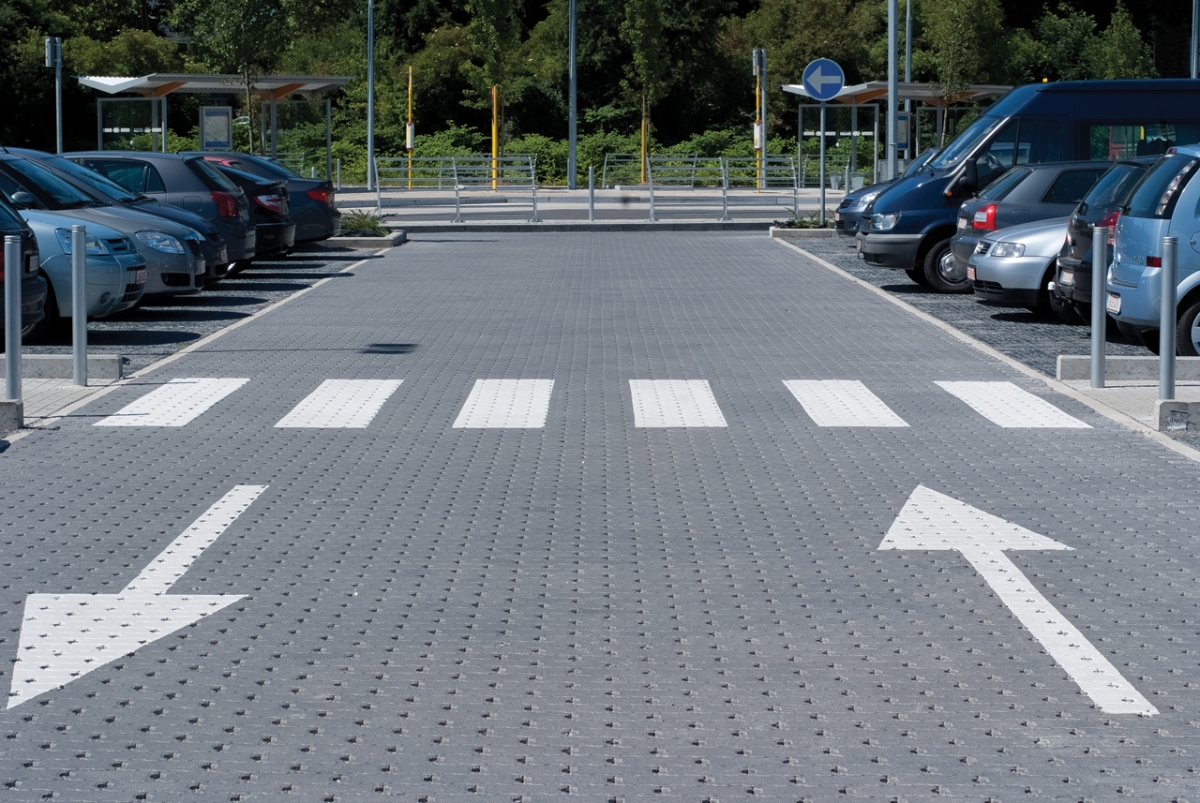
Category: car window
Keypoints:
(214, 175)
(998, 155)
(1071, 186)
(154, 182)
(62, 192)
(9, 219)
(1108, 141)
(1040, 141)
(1157, 193)
(1114, 186)
(9, 186)
(966, 142)
(1002, 186)
(90, 177)
(130, 175)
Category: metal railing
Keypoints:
(462, 174)
(743, 182)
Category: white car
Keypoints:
(1013, 267)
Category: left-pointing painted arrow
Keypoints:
(931, 520)
(65, 636)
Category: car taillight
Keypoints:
(226, 203)
(321, 195)
(985, 218)
(273, 203)
(1110, 220)
(1153, 262)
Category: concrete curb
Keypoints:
(582, 226)
(387, 241)
(801, 234)
(1176, 416)
(1118, 369)
(12, 416)
(60, 366)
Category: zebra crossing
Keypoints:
(527, 403)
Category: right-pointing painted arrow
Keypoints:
(931, 520)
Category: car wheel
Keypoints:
(942, 271)
(49, 324)
(1128, 332)
(1187, 334)
(1149, 338)
(1065, 311)
(918, 276)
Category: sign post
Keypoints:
(54, 59)
(823, 80)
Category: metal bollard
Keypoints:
(591, 193)
(1099, 313)
(12, 317)
(339, 175)
(79, 305)
(1166, 321)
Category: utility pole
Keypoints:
(893, 90)
(54, 59)
(410, 134)
(1195, 37)
(370, 94)
(908, 151)
(572, 167)
(760, 126)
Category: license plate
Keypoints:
(140, 278)
(1067, 277)
(962, 223)
(837, 216)
(858, 246)
(1114, 304)
(223, 256)
(971, 272)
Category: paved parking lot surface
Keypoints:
(620, 517)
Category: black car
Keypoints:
(847, 220)
(1100, 207)
(33, 284)
(1020, 195)
(310, 200)
(108, 192)
(268, 200)
(187, 182)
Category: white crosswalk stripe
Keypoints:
(1009, 406)
(340, 404)
(674, 403)
(174, 404)
(506, 404)
(842, 403)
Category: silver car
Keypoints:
(116, 272)
(1012, 267)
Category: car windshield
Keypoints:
(1114, 186)
(1157, 192)
(9, 219)
(998, 189)
(64, 194)
(274, 169)
(213, 174)
(920, 162)
(966, 143)
(105, 186)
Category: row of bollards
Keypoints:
(13, 270)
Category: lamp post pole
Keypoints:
(370, 94)
(1195, 37)
(572, 167)
(908, 151)
(893, 90)
(54, 59)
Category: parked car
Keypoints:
(108, 192)
(911, 223)
(848, 216)
(116, 272)
(1021, 195)
(1163, 204)
(33, 284)
(187, 182)
(1013, 267)
(310, 200)
(268, 210)
(173, 266)
(1100, 207)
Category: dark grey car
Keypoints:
(1020, 195)
(184, 181)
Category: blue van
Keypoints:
(1165, 203)
(909, 225)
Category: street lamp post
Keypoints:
(893, 90)
(370, 94)
(908, 151)
(54, 59)
(573, 101)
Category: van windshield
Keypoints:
(1157, 192)
(966, 142)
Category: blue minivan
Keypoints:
(909, 225)
(1165, 203)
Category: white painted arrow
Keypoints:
(931, 520)
(65, 636)
(818, 80)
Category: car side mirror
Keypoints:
(23, 200)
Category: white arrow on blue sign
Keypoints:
(823, 78)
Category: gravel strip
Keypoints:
(161, 328)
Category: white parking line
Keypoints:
(173, 404)
(340, 404)
(674, 403)
(506, 404)
(842, 403)
(1009, 406)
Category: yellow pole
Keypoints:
(759, 144)
(495, 139)
(409, 133)
(645, 137)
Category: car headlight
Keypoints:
(1008, 250)
(884, 222)
(95, 247)
(865, 201)
(161, 241)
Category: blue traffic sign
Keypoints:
(823, 78)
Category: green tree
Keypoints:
(962, 35)
(495, 36)
(1068, 37)
(646, 73)
(131, 52)
(1119, 51)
